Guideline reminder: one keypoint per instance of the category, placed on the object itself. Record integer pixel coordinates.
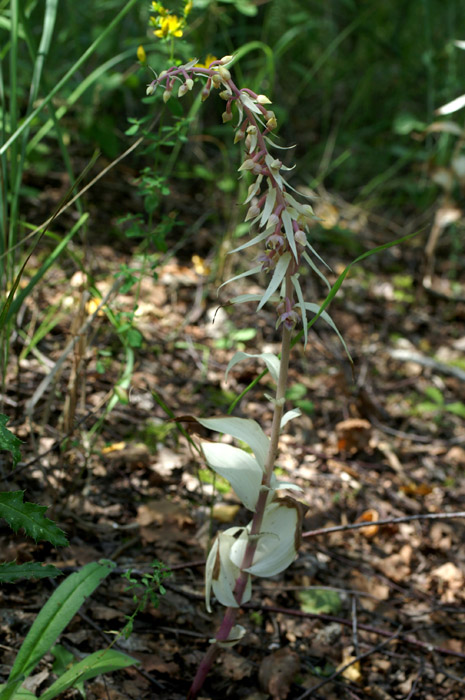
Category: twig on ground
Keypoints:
(430, 648)
(341, 669)
(387, 521)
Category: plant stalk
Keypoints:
(230, 615)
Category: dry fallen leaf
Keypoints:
(277, 672)
(450, 582)
(352, 672)
(397, 566)
(369, 516)
(353, 435)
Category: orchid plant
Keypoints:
(269, 543)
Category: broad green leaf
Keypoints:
(9, 441)
(271, 361)
(11, 572)
(238, 467)
(55, 615)
(244, 429)
(30, 516)
(93, 665)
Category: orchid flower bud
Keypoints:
(224, 73)
(166, 96)
(271, 124)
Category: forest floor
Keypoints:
(383, 441)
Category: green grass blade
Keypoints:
(19, 299)
(75, 67)
(76, 94)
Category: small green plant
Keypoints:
(55, 615)
(436, 405)
(144, 590)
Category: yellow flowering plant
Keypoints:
(168, 25)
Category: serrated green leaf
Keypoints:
(11, 572)
(30, 516)
(93, 665)
(8, 441)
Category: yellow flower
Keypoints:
(208, 60)
(169, 26)
(188, 7)
(158, 8)
(141, 55)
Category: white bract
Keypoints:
(276, 543)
